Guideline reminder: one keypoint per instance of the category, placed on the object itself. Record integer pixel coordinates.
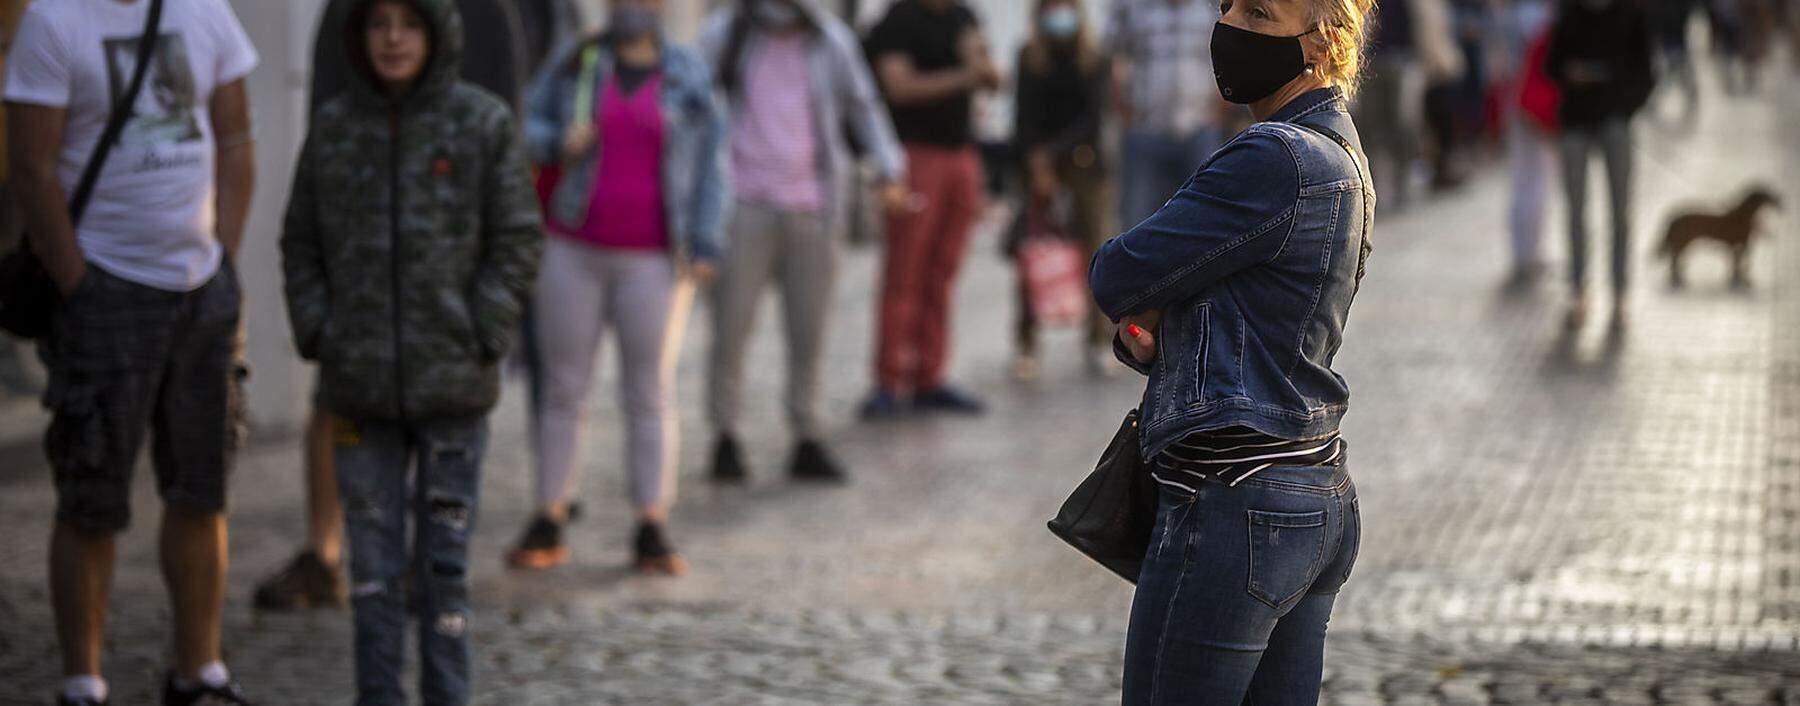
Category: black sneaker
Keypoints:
(728, 461)
(948, 399)
(66, 701)
(307, 582)
(654, 554)
(813, 464)
(228, 694)
(541, 548)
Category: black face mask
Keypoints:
(1250, 66)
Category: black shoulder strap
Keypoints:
(1368, 194)
(121, 112)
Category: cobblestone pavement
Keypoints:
(1549, 519)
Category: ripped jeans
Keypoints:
(372, 461)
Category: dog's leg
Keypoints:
(1740, 275)
(1675, 250)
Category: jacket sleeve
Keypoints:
(512, 241)
(307, 290)
(545, 107)
(712, 190)
(1234, 214)
(868, 114)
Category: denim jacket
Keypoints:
(695, 179)
(1253, 264)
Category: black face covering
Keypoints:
(1250, 66)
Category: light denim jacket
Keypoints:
(843, 96)
(695, 180)
(1253, 264)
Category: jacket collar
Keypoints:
(1308, 103)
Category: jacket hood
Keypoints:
(446, 46)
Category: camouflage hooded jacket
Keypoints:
(412, 238)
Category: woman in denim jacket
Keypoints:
(1232, 298)
(630, 124)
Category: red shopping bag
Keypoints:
(1539, 98)
(1055, 275)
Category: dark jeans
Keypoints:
(1237, 587)
(1612, 139)
(126, 359)
(1155, 165)
(372, 460)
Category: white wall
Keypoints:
(280, 386)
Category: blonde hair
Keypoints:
(1344, 25)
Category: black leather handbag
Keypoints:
(1111, 515)
(28, 297)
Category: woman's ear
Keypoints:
(1315, 48)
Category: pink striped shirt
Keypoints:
(774, 147)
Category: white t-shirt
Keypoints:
(150, 219)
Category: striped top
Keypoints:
(1236, 453)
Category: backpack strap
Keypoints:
(121, 113)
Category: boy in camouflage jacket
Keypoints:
(412, 236)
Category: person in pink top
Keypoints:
(630, 126)
(792, 74)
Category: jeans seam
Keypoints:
(1162, 642)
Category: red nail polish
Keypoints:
(1134, 330)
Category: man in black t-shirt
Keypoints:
(930, 58)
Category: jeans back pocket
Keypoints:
(1285, 549)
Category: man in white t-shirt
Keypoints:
(144, 336)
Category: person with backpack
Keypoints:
(629, 123)
(797, 88)
(411, 240)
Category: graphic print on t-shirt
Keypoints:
(165, 110)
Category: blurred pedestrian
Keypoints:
(143, 338)
(631, 124)
(1529, 105)
(1062, 88)
(1412, 47)
(1170, 111)
(793, 73)
(1600, 58)
(931, 59)
(1671, 18)
(1232, 298)
(493, 52)
(409, 303)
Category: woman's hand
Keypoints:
(577, 140)
(1138, 332)
(702, 271)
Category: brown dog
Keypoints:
(1732, 229)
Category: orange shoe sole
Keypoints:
(537, 559)
(671, 565)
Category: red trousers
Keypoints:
(925, 247)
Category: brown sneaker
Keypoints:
(541, 548)
(654, 554)
(305, 583)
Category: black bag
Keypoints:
(1111, 515)
(28, 296)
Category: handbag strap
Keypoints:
(121, 113)
(1362, 174)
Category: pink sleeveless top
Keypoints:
(626, 208)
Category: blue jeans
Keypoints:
(1155, 165)
(372, 461)
(1237, 587)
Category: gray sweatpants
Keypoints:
(582, 291)
(797, 249)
